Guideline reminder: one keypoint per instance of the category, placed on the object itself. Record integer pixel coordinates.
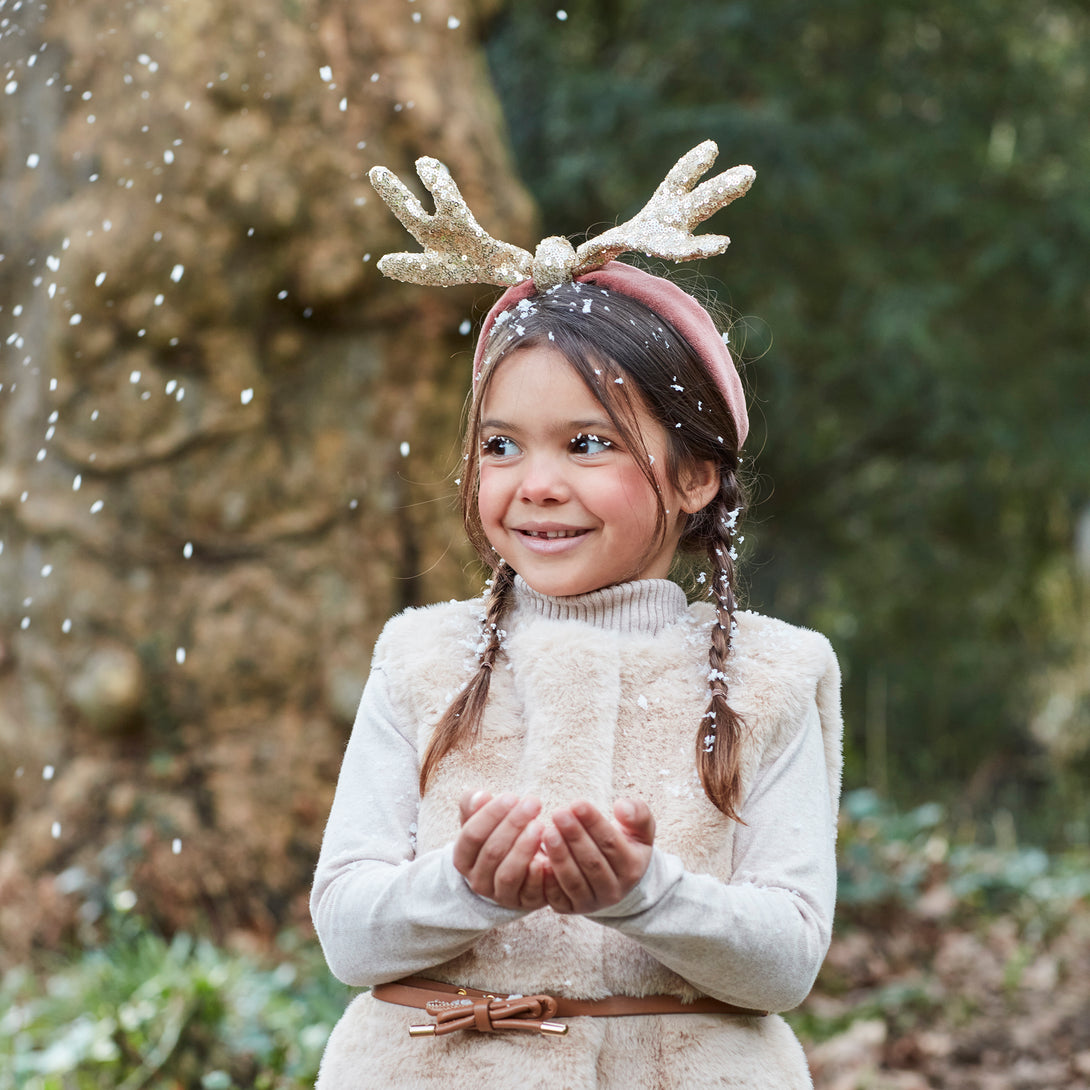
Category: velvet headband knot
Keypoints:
(663, 298)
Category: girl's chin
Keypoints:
(554, 585)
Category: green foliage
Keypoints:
(889, 861)
(931, 921)
(141, 1011)
(144, 1012)
(915, 251)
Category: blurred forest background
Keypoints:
(227, 444)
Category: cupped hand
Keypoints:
(592, 862)
(497, 850)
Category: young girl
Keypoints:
(592, 824)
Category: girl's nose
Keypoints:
(543, 481)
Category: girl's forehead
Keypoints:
(549, 372)
(542, 370)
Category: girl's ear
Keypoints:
(700, 485)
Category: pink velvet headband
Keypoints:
(668, 301)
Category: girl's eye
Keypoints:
(589, 444)
(499, 446)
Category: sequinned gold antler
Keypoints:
(458, 251)
(664, 226)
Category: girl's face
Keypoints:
(560, 499)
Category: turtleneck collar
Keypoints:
(645, 605)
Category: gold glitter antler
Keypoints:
(664, 226)
(457, 249)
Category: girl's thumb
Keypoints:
(637, 819)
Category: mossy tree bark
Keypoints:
(206, 508)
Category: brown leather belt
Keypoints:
(455, 1008)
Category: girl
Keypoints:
(593, 825)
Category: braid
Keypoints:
(462, 719)
(718, 741)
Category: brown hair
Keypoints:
(606, 337)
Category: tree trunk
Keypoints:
(226, 441)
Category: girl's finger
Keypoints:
(565, 866)
(477, 828)
(485, 842)
(635, 817)
(511, 872)
(532, 894)
(595, 844)
(624, 849)
(556, 898)
(471, 802)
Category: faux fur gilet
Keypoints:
(580, 711)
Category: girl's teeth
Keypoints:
(554, 533)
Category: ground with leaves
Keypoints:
(954, 967)
(925, 1005)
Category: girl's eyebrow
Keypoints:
(601, 423)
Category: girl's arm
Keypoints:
(381, 911)
(758, 940)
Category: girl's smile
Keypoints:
(560, 499)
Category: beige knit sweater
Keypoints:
(600, 699)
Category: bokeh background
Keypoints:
(227, 448)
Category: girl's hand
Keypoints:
(593, 863)
(497, 849)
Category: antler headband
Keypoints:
(457, 250)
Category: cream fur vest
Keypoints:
(579, 711)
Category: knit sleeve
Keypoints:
(759, 939)
(380, 910)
